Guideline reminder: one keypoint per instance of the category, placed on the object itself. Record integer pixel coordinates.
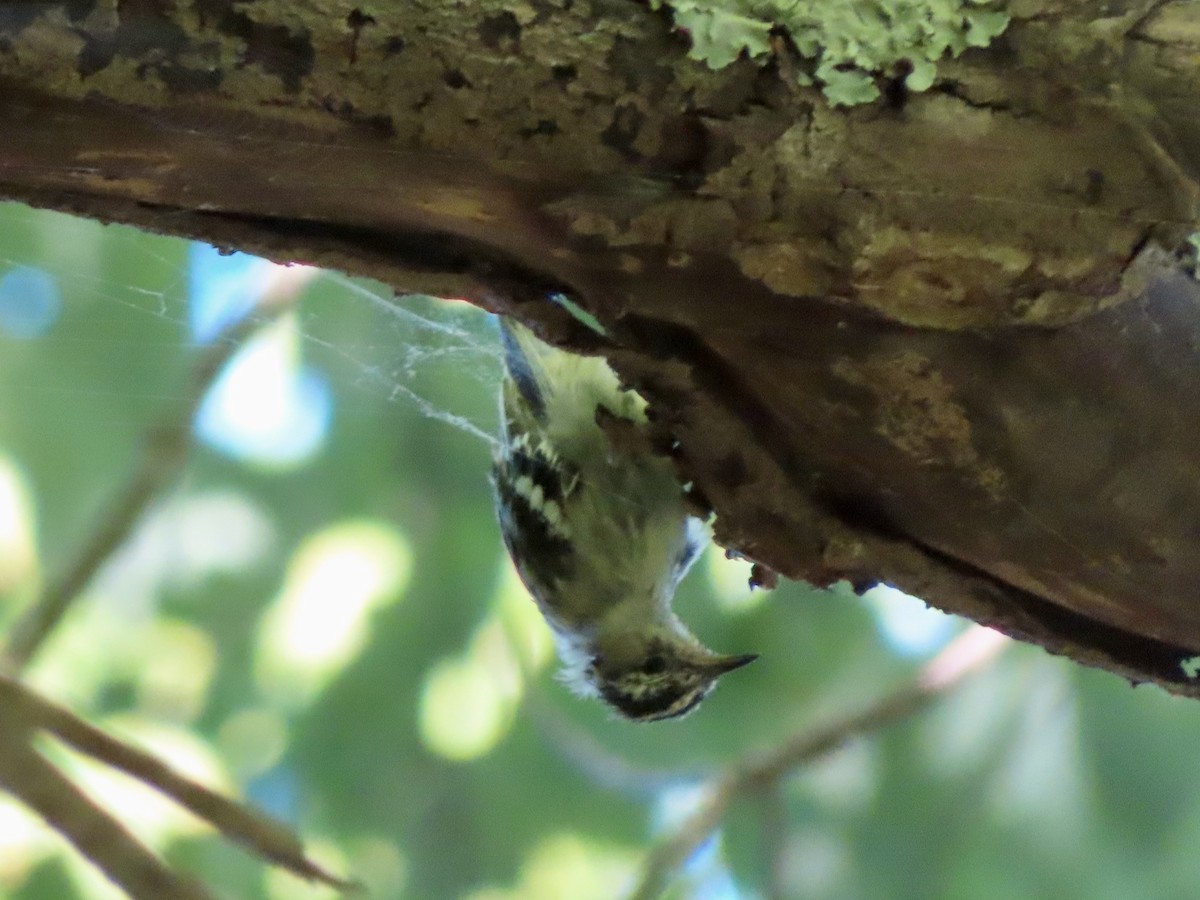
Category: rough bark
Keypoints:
(946, 341)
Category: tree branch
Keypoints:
(268, 838)
(32, 779)
(164, 453)
(760, 772)
(864, 326)
(29, 777)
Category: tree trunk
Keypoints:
(945, 340)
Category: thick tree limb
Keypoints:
(945, 341)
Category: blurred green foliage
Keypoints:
(343, 641)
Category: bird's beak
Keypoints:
(723, 664)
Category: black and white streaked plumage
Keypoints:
(599, 533)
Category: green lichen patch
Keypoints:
(847, 40)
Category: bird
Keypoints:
(599, 531)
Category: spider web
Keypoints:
(122, 299)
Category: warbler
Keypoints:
(599, 532)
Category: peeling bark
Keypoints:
(947, 341)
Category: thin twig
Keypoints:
(96, 834)
(103, 840)
(164, 453)
(968, 653)
(267, 837)
(772, 827)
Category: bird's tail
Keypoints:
(521, 355)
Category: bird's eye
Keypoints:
(654, 664)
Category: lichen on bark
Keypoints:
(846, 44)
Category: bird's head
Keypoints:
(664, 677)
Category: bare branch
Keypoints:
(760, 772)
(773, 828)
(164, 453)
(29, 777)
(267, 837)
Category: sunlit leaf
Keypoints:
(318, 623)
